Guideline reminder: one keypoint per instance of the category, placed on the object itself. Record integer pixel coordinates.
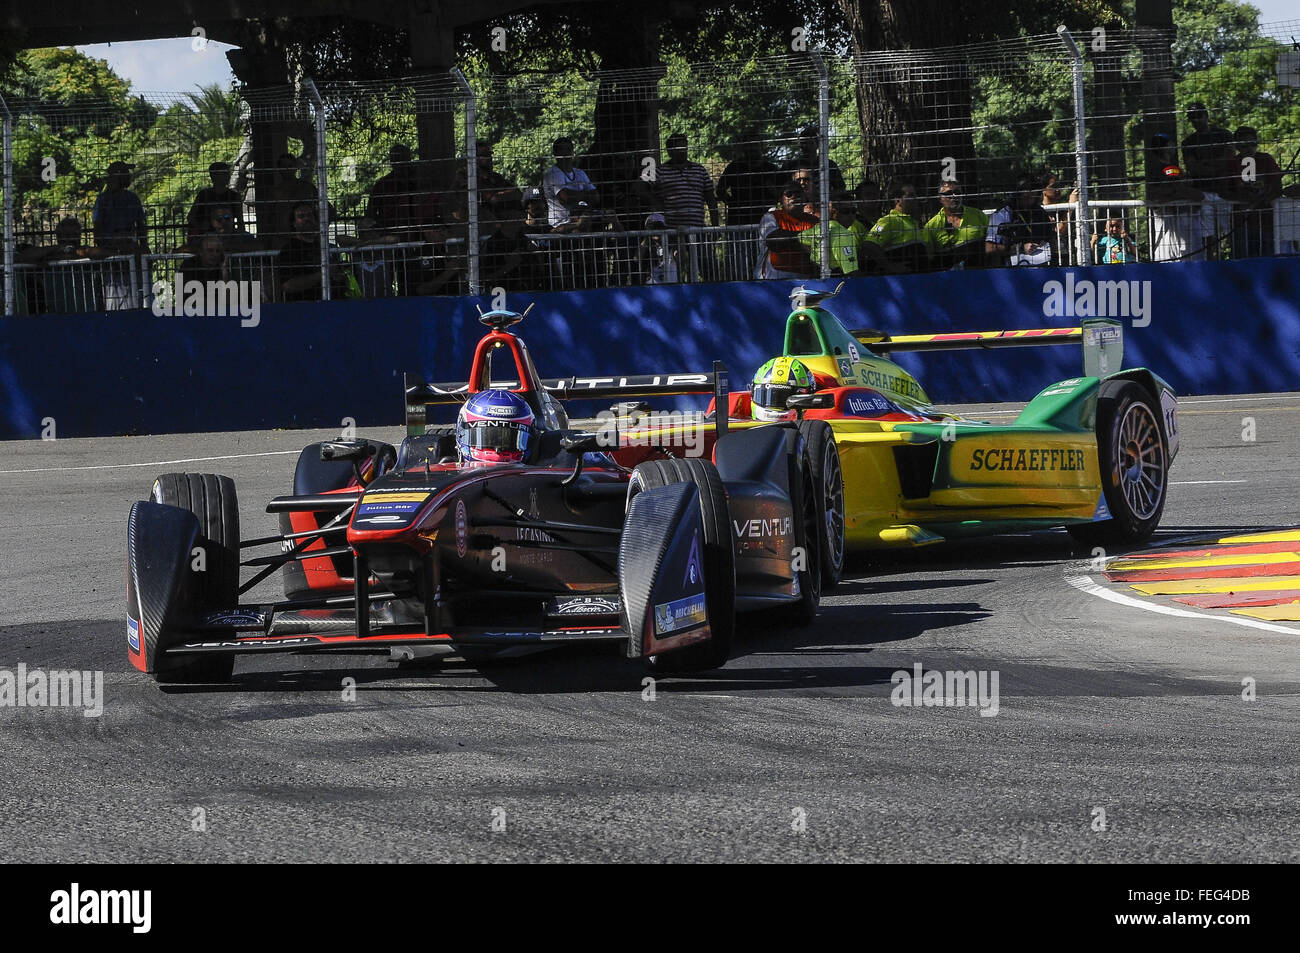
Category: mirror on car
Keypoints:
(580, 443)
(810, 401)
(353, 450)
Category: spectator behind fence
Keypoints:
(68, 244)
(1174, 204)
(658, 255)
(392, 211)
(289, 191)
(564, 184)
(446, 263)
(1260, 185)
(1202, 150)
(1053, 194)
(1211, 161)
(120, 228)
(684, 189)
(1020, 233)
(897, 244)
(871, 201)
(300, 256)
(222, 221)
(809, 157)
(119, 214)
(1115, 247)
(747, 184)
(957, 231)
(209, 264)
(780, 253)
(846, 234)
(217, 194)
(498, 197)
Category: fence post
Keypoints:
(824, 157)
(8, 123)
(471, 180)
(322, 189)
(1083, 230)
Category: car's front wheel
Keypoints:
(1133, 457)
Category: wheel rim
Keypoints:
(1140, 459)
(834, 497)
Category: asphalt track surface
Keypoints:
(793, 751)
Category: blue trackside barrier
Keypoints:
(1229, 327)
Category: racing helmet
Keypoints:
(494, 426)
(774, 384)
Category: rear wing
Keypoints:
(421, 394)
(1102, 340)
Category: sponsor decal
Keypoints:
(133, 635)
(853, 352)
(586, 605)
(367, 508)
(679, 614)
(756, 528)
(386, 520)
(694, 564)
(895, 383)
(1036, 458)
(635, 383)
(1103, 511)
(249, 618)
(462, 529)
(405, 490)
(500, 411)
(256, 643)
(868, 404)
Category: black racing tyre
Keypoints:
(828, 486)
(213, 500)
(1133, 456)
(807, 516)
(719, 559)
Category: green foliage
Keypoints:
(1207, 29)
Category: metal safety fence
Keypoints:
(807, 164)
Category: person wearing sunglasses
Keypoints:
(780, 252)
(956, 232)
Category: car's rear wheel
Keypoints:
(719, 559)
(828, 486)
(215, 579)
(1133, 457)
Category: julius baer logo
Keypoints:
(76, 906)
(1085, 298)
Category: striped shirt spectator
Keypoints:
(684, 188)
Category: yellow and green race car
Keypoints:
(1090, 454)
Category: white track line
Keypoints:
(1201, 482)
(1233, 400)
(157, 463)
(1087, 585)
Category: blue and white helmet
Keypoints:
(494, 426)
